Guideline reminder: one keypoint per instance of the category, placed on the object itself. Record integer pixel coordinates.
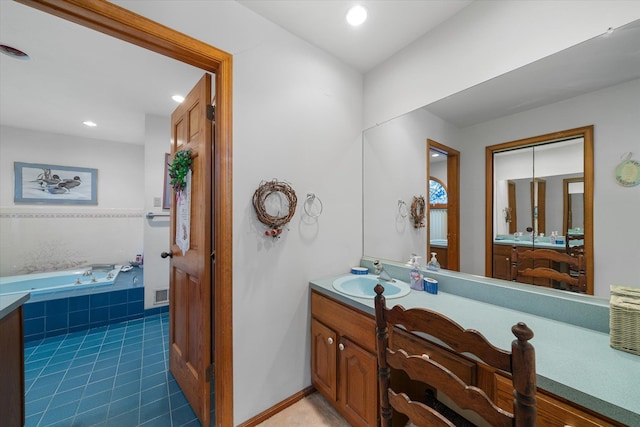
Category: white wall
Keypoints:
(614, 114)
(297, 117)
(395, 153)
(46, 237)
(156, 231)
(486, 39)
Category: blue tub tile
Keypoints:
(56, 306)
(77, 318)
(136, 294)
(34, 326)
(33, 309)
(135, 308)
(34, 337)
(56, 332)
(99, 314)
(99, 300)
(117, 311)
(59, 320)
(118, 297)
(79, 303)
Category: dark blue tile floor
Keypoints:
(115, 375)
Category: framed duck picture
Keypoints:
(44, 183)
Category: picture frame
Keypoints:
(166, 193)
(54, 184)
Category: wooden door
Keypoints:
(323, 360)
(358, 394)
(190, 352)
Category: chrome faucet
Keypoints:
(383, 275)
(89, 272)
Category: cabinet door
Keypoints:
(358, 395)
(502, 262)
(323, 360)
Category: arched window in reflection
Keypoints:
(438, 202)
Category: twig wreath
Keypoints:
(417, 211)
(179, 168)
(260, 196)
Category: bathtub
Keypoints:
(58, 281)
(59, 306)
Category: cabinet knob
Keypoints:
(330, 340)
(341, 346)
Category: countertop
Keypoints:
(8, 303)
(572, 362)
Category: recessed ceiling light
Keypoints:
(13, 52)
(89, 123)
(178, 98)
(356, 15)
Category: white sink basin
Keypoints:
(361, 286)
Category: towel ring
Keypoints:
(402, 208)
(311, 197)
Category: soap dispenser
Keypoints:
(415, 276)
(433, 263)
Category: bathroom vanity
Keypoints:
(12, 359)
(581, 380)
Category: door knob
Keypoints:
(167, 254)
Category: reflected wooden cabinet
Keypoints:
(441, 254)
(343, 360)
(502, 265)
(502, 262)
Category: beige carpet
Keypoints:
(312, 411)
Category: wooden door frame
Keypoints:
(125, 25)
(453, 202)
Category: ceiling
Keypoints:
(391, 25)
(115, 84)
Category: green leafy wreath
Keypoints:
(179, 168)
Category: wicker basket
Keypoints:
(624, 319)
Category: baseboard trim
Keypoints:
(278, 407)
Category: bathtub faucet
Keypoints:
(89, 272)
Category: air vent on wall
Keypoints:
(162, 296)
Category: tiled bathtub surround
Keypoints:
(61, 316)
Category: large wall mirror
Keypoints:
(528, 204)
(594, 83)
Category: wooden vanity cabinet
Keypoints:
(12, 406)
(344, 370)
(343, 359)
(552, 411)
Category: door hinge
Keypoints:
(211, 112)
(209, 373)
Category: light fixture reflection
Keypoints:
(178, 98)
(89, 123)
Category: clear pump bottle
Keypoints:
(433, 263)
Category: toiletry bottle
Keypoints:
(415, 275)
(433, 263)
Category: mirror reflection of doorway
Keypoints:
(443, 218)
